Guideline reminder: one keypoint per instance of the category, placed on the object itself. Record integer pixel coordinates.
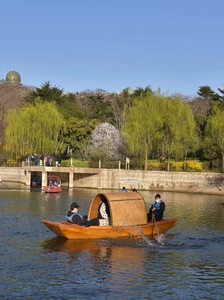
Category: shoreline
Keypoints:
(212, 190)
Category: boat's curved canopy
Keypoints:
(126, 209)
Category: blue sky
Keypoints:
(88, 44)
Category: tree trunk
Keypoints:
(146, 159)
(168, 163)
(222, 162)
(185, 161)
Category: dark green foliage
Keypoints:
(67, 104)
(201, 122)
(139, 91)
(77, 135)
(221, 98)
(95, 107)
(47, 93)
(69, 107)
(206, 92)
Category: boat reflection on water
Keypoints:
(130, 252)
(52, 196)
(115, 267)
(59, 244)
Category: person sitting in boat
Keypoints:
(124, 190)
(73, 215)
(104, 214)
(55, 183)
(157, 209)
(103, 218)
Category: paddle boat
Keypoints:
(53, 184)
(128, 218)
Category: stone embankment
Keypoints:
(204, 183)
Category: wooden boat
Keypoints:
(53, 184)
(128, 218)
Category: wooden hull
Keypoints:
(52, 189)
(73, 231)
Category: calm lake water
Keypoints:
(35, 264)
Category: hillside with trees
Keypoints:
(11, 97)
(141, 124)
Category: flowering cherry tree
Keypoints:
(107, 143)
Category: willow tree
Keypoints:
(179, 128)
(143, 125)
(34, 129)
(120, 106)
(215, 131)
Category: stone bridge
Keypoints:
(117, 178)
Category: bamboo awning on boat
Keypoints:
(126, 209)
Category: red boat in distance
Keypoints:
(53, 184)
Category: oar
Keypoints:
(161, 236)
(154, 220)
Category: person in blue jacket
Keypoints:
(124, 190)
(73, 215)
(157, 209)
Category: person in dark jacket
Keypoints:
(73, 216)
(157, 209)
(124, 190)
